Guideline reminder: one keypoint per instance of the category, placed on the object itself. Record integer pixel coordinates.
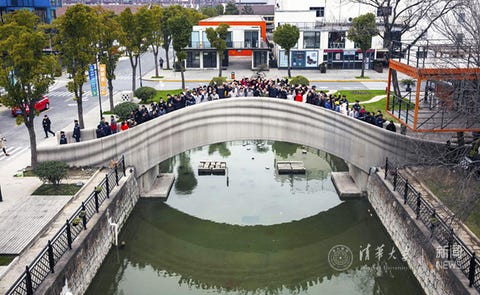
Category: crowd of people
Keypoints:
(245, 87)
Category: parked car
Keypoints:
(42, 104)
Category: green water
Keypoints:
(257, 233)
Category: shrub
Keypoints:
(124, 109)
(299, 80)
(217, 80)
(145, 94)
(51, 171)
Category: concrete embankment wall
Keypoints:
(80, 264)
(413, 240)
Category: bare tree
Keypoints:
(413, 16)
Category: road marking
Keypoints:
(13, 152)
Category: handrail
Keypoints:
(465, 257)
(44, 263)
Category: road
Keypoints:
(63, 109)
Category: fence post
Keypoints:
(96, 201)
(116, 174)
(395, 180)
(405, 192)
(417, 210)
(386, 167)
(69, 235)
(84, 217)
(107, 185)
(51, 261)
(433, 220)
(471, 270)
(28, 281)
(123, 165)
(450, 245)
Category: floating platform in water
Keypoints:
(290, 167)
(212, 167)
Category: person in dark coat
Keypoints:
(76, 131)
(391, 126)
(63, 138)
(46, 123)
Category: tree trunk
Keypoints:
(288, 61)
(110, 94)
(220, 64)
(33, 145)
(133, 63)
(28, 119)
(363, 64)
(183, 77)
(166, 56)
(80, 107)
(155, 58)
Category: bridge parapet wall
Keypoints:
(360, 144)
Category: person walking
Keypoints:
(46, 123)
(76, 131)
(161, 63)
(3, 145)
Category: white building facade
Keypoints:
(324, 26)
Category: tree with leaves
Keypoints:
(286, 36)
(210, 11)
(25, 71)
(413, 16)
(218, 38)
(247, 9)
(76, 40)
(167, 32)
(231, 9)
(137, 28)
(108, 48)
(183, 29)
(156, 39)
(361, 32)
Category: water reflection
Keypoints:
(165, 246)
(264, 233)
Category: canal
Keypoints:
(253, 231)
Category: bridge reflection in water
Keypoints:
(171, 252)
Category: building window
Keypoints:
(336, 39)
(461, 17)
(311, 39)
(320, 11)
(251, 39)
(210, 59)
(384, 11)
(193, 59)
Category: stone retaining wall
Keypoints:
(80, 264)
(413, 240)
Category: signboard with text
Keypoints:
(93, 79)
(103, 79)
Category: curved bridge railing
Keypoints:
(359, 143)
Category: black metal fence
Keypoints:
(456, 250)
(45, 262)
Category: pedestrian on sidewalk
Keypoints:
(76, 131)
(46, 123)
(161, 63)
(63, 138)
(3, 145)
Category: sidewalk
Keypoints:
(206, 75)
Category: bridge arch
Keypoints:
(358, 143)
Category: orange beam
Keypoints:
(388, 87)
(417, 103)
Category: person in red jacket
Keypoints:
(299, 96)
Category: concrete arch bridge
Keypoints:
(360, 144)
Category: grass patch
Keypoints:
(456, 192)
(157, 77)
(6, 259)
(162, 94)
(59, 190)
(360, 77)
(360, 95)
